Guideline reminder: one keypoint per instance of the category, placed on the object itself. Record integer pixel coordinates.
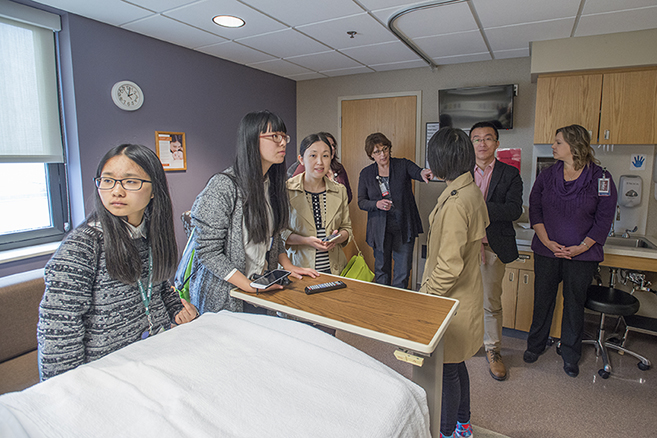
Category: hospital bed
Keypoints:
(224, 375)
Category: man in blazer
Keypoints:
(501, 186)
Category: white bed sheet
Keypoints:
(224, 375)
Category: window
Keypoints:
(33, 198)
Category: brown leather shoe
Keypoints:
(495, 365)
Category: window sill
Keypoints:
(13, 255)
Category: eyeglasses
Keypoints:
(383, 150)
(129, 184)
(476, 141)
(277, 138)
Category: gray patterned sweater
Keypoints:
(218, 239)
(84, 314)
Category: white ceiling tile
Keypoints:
(159, 5)
(334, 32)
(458, 59)
(597, 6)
(300, 12)
(347, 71)
(284, 43)
(394, 51)
(160, 27)
(114, 12)
(200, 15)
(399, 65)
(493, 13)
(519, 36)
(280, 67)
(623, 21)
(452, 44)
(324, 61)
(513, 53)
(235, 52)
(307, 76)
(437, 21)
(373, 5)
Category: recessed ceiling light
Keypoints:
(228, 21)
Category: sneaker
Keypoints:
(446, 436)
(495, 365)
(463, 430)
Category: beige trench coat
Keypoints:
(303, 223)
(456, 226)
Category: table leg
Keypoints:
(430, 377)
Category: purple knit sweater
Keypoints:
(572, 210)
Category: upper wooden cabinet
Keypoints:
(616, 108)
(627, 114)
(567, 100)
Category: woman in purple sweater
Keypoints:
(571, 207)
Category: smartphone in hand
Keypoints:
(269, 279)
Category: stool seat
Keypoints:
(611, 301)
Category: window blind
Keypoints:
(29, 108)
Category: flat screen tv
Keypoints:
(463, 107)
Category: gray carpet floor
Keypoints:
(539, 400)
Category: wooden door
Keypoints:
(628, 108)
(525, 307)
(396, 118)
(509, 297)
(567, 100)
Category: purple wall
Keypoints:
(185, 90)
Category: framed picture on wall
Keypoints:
(171, 149)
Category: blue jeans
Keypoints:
(401, 253)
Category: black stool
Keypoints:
(610, 301)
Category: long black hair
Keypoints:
(249, 178)
(450, 153)
(122, 257)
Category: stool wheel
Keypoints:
(643, 367)
(604, 374)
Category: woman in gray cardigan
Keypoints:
(239, 216)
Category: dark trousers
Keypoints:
(576, 277)
(401, 253)
(456, 397)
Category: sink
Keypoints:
(631, 242)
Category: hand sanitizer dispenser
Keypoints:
(629, 192)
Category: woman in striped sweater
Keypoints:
(107, 285)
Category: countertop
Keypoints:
(524, 239)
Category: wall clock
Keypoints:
(127, 95)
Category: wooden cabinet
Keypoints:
(518, 296)
(615, 107)
(627, 114)
(567, 100)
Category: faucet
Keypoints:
(626, 234)
(612, 232)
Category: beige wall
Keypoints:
(595, 52)
(318, 100)
(318, 110)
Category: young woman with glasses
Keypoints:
(393, 221)
(239, 217)
(107, 285)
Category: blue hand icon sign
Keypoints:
(638, 161)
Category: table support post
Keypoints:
(430, 377)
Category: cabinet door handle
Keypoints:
(606, 134)
(526, 279)
(510, 276)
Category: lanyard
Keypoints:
(146, 295)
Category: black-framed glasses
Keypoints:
(277, 138)
(383, 150)
(129, 184)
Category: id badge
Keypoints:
(604, 187)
